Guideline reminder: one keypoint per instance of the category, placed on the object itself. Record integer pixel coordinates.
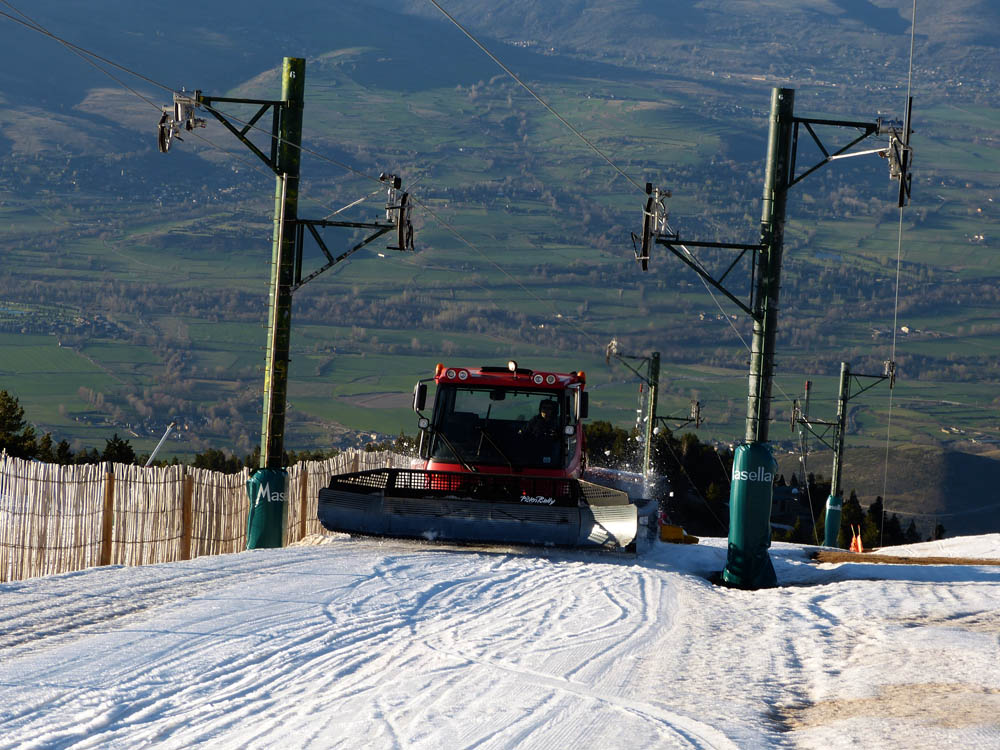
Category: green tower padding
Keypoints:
(748, 565)
(266, 520)
(834, 508)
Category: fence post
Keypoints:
(187, 491)
(108, 517)
(303, 500)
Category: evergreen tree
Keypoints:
(851, 515)
(892, 532)
(17, 437)
(88, 456)
(217, 460)
(118, 451)
(871, 529)
(252, 460)
(64, 454)
(911, 535)
(607, 445)
(45, 452)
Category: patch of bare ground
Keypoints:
(949, 706)
(987, 621)
(833, 556)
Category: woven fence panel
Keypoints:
(53, 518)
(147, 525)
(50, 517)
(219, 509)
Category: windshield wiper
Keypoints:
(454, 450)
(496, 447)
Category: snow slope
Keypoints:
(361, 643)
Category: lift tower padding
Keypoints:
(748, 564)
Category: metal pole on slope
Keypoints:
(279, 323)
(266, 488)
(166, 434)
(650, 426)
(835, 503)
(748, 564)
(803, 439)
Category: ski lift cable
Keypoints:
(266, 173)
(694, 486)
(32, 24)
(86, 55)
(953, 514)
(82, 53)
(590, 144)
(585, 140)
(899, 260)
(725, 315)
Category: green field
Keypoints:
(524, 252)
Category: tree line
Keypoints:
(20, 440)
(696, 494)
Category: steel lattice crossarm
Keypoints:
(180, 117)
(898, 151)
(241, 133)
(680, 248)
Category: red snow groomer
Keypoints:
(500, 461)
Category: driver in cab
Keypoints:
(544, 424)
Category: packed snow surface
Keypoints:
(383, 644)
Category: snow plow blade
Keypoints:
(476, 507)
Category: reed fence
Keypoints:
(57, 519)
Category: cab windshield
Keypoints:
(512, 428)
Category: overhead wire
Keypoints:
(590, 144)
(85, 54)
(81, 52)
(694, 486)
(805, 473)
(899, 261)
(37, 27)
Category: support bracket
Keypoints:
(679, 248)
(312, 225)
(866, 128)
(270, 159)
